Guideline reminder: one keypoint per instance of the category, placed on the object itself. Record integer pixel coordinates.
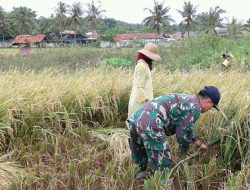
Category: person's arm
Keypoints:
(185, 133)
(140, 79)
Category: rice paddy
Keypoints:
(64, 127)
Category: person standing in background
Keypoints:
(142, 89)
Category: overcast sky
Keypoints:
(132, 11)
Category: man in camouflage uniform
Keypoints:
(165, 116)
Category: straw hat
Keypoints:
(150, 50)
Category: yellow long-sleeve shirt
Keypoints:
(142, 87)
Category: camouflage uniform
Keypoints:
(151, 124)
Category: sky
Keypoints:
(132, 11)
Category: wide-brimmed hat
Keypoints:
(150, 50)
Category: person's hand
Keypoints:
(200, 145)
(203, 147)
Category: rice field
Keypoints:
(63, 127)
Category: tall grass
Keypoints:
(48, 117)
(60, 110)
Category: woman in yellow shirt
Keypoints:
(142, 89)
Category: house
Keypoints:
(139, 39)
(130, 39)
(70, 37)
(37, 40)
(6, 38)
(5, 41)
(25, 41)
(93, 36)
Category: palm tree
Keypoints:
(234, 28)
(23, 19)
(159, 16)
(61, 10)
(44, 26)
(212, 19)
(188, 13)
(76, 13)
(94, 14)
(3, 22)
(247, 23)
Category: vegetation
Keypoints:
(62, 124)
(62, 110)
(188, 13)
(82, 19)
(209, 21)
(159, 16)
(94, 15)
(202, 52)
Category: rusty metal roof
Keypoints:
(23, 39)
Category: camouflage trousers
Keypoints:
(149, 148)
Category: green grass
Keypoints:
(202, 52)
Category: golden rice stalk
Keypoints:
(118, 141)
(9, 172)
(119, 144)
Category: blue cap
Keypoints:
(213, 93)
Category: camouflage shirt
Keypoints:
(175, 113)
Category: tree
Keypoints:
(234, 28)
(110, 22)
(247, 23)
(159, 16)
(94, 15)
(76, 13)
(22, 19)
(188, 13)
(3, 22)
(61, 10)
(209, 21)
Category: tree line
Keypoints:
(23, 20)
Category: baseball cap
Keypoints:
(213, 93)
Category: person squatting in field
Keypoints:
(165, 116)
(142, 89)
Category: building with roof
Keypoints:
(25, 41)
(134, 39)
(30, 39)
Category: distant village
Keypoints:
(70, 38)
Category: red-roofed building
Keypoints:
(139, 39)
(135, 36)
(29, 39)
(25, 41)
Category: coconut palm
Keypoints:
(61, 10)
(234, 28)
(188, 13)
(247, 23)
(212, 19)
(76, 13)
(94, 14)
(23, 19)
(159, 16)
(3, 22)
